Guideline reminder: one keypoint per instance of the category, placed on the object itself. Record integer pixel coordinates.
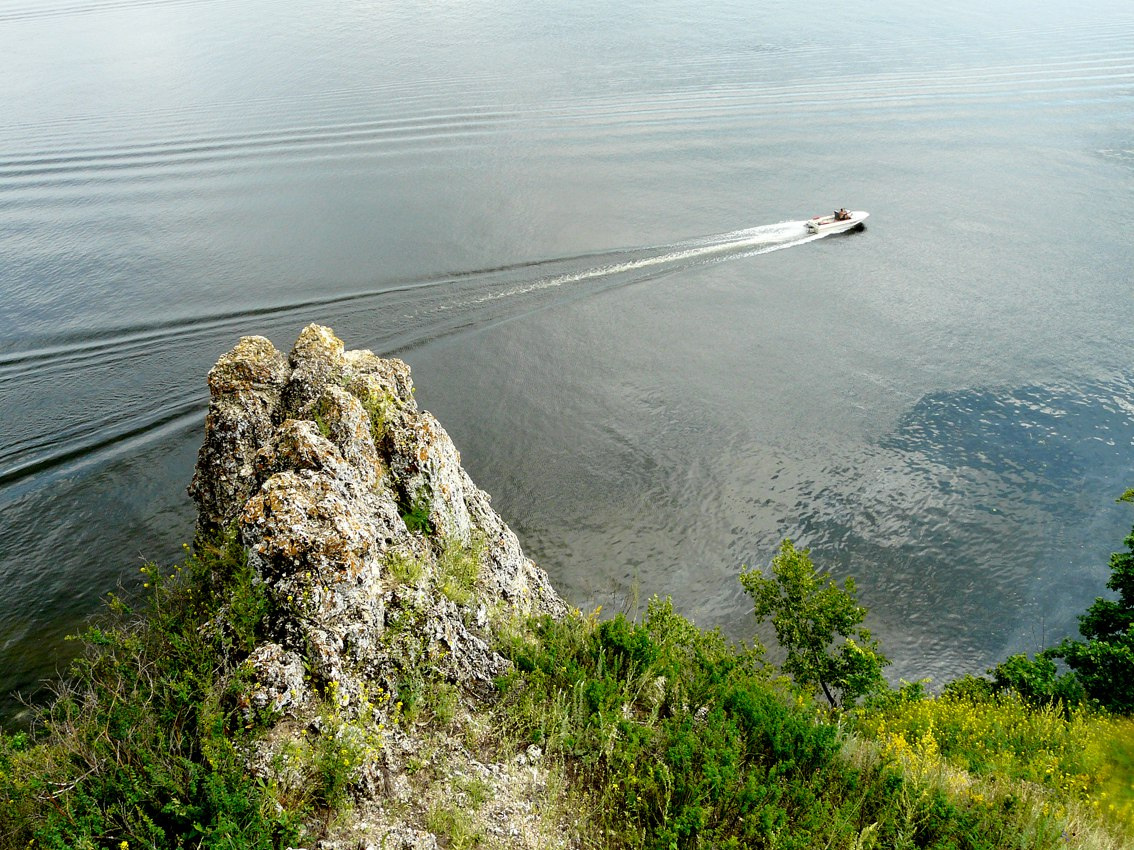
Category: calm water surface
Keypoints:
(581, 225)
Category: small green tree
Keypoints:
(1104, 662)
(818, 624)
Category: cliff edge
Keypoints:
(386, 570)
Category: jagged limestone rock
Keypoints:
(349, 427)
(279, 675)
(369, 375)
(317, 458)
(427, 468)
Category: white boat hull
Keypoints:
(830, 224)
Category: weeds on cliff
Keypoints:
(452, 824)
(427, 698)
(675, 738)
(320, 421)
(442, 699)
(142, 743)
(404, 567)
(381, 408)
(315, 770)
(458, 568)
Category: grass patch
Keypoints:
(427, 698)
(404, 567)
(458, 568)
(475, 790)
(453, 824)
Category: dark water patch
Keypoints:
(1034, 438)
(981, 525)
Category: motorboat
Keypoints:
(837, 222)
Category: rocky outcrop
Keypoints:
(383, 561)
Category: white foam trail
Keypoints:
(738, 243)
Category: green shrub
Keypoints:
(1104, 661)
(415, 514)
(1037, 682)
(142, 742)
(818, 625)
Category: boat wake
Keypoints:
(669, 258)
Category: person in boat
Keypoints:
(842, 215)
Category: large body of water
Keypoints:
(580, 224)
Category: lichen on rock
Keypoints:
(246, 386)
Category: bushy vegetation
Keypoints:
(1103, 663)
(682, 740)
(142, 743)
(679, 739)
(145, 744)
(1062, 736)
(1097, 671)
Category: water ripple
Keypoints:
(55, 372)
